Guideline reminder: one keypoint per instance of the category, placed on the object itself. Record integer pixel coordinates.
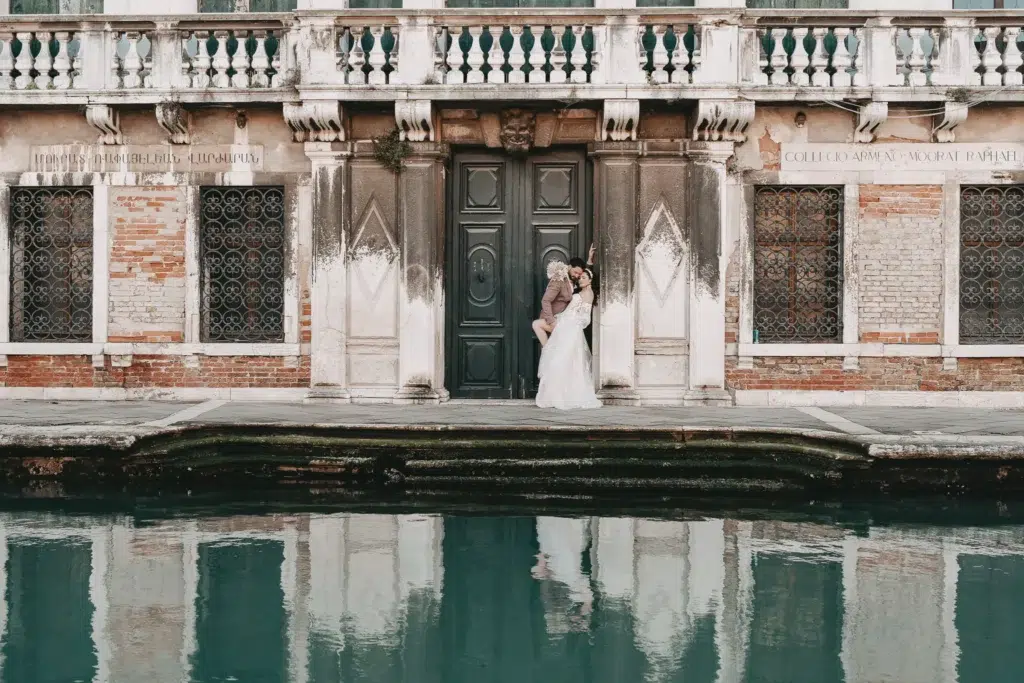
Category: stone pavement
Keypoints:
(856, 421)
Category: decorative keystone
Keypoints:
(723, 120)
(414, 120)
(176, 121)
(315, 121)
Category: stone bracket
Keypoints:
(319, 121)
(176, 122)
(415, 121)
(106, 120)
(99, 361)
(723, 120)
(620, 120)
(955, 114)
(871, 116)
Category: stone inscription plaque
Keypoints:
(967, 156)
(145, 158)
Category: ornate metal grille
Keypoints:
(51, 264)
(242, 264)
(798, 274)
(992, 265)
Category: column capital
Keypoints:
(710, 152)
(616, 149)
(328, 153)
(433, 151)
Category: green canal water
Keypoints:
(422, 598)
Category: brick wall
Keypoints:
(157, 371)
(147, 264)
(899, 259)
(877, 374)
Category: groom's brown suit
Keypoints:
(556, 298)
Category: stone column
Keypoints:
(421, 295)
(616, 173)
(329, 295)
(708, 212)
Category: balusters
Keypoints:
(260, 60)
(841, 60)
(819, 59)
(801, 60)
(695, 57)
(857, 58)
(516, 56)
(991, 60)
(779, 60)
(62, 62)
(131, 63)
(1012, 58)
(558, 58)
(496, 56)
(277, 62)
(357, 59)
(6, 61)
(578, 57)
(456, 59)
(475, 57)
(538, 56)
(44, 61)
(764, 58)
(240, 62)
(202, 63)
(24, 62)
(660, 55)
(221, 61)
(377, 57)
(916, 62)
(440, 54)
(393, 52)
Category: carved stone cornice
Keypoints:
(620, 120)
(414, 119)
(871, 116)
(176, 121)
(955, 114)
(723, 120)
(316, 121)
(106, 120)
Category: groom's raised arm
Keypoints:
(545, 304)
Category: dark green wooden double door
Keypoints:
(508, 218)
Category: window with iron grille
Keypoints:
(992, 265)
(51, 264)
(798, 4)
(798, 264)
(242, 259)
(247, 5)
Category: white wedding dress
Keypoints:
(566, 379)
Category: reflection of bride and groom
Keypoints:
(565, 370)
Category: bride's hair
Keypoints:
(593, 283)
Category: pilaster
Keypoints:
(329, 295)
(708, 218)
(420, 312)
(616, 170)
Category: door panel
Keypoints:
(508, 219)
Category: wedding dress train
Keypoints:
(566, 378)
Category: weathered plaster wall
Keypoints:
(899, 256)
(147, 264)
(773, 126)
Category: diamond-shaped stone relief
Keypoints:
(662, 250)
(374, 249)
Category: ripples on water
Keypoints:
(317, 598)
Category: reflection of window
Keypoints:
(51, 264)
(246, 5)
(992, 265)
(485, 4)
(988, 4)
(56, 6)
(798, 264)
(798, 4)
(242, 264)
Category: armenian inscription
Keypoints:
(822, 156)
(145, 158)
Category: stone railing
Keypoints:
(463, 54)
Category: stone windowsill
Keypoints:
(144, 349)
(876, 350)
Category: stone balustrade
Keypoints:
(452, 54)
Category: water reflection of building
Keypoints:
(324, 598)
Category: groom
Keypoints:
(558, 295)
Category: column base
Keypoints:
(328, 395)
(420, 396)
(613, 396)
(720, 398)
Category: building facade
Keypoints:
(264, 199)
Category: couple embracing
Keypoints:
(565, 370)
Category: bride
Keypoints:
(566, 380)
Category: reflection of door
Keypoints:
(508, 219)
